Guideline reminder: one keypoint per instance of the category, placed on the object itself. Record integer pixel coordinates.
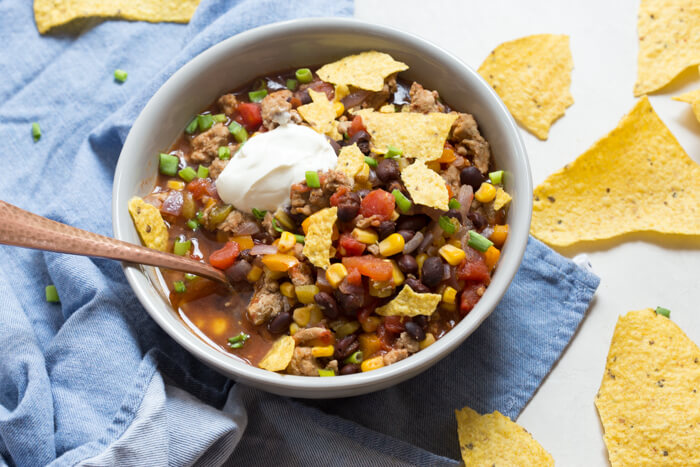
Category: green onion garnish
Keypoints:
(300, 238)
(182, 248)
(392, 152)
(355, 358)
(446, 224)
(219, 118)
(224, 153)
(496, 177)
(322, 372)
(276, 226)
(238, 132)
(120, 75)
(663, 311)
(179, 286)
(190, 277)
(312, 180)
(202, 172)
(199, 215)
(454, 204)
(257, 96)
(479, 242)
(237, 341)
(36, 131)
(292, 84)
(187, 174)
(192, 126)
(192, 224)
(304, 75)
(168, 164)
(371, 161)
(204, 122)
(402, 202)
(259, 215)
(52, 294)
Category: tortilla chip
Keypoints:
(637, 178)
(419, 136)
(532, 75)
(494, 439)
(387, 109)
(350, 160)
(425, 186)
(279, 356)
(366, 70)
(692, 98)
(317, 246)
(649, 399)
(668, 41)
(320, 114)
(410, 303)
(502, 198)
(52, 13)
(149, 224)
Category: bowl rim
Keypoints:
(305, 386)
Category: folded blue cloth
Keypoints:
(94, 381)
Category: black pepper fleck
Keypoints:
(551, 199)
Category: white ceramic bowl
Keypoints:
(289, 45)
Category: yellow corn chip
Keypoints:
(52, 13)
(669, 41)
(149, 224)
(366, 70)
(692, 98)
(637, 178)
(350, 160)
(502, 198)
(387, 109)
(532, 75)
(410, 303)
(320, 114)
(419, 136)
(425, 186)
(494, 440)
(649, 399)
(279, 356)
(317, 246)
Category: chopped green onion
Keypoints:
(190, 277)
(663, 311)
(402, 202)
(187, 174)
(202, 172)
(179, 286)
(446, 225)
(371, 161)
(304, 75)
(392, 152)
(204, 122)
(292, 84)
(496, 177)
(237, 341)
(479, 242)
(192, 126)
(259, 215)
(257, 96)
(238, 132)
(182, 248)
(300, 238)
(312, 180)
(168, 164)
(219, 118)
(355, 358)
(276, 226)
(199, 215)
(454, 204)
(36, 131)
(120, 75)
(192, 224)
(224, 153)
(52, 294)
(322, 372)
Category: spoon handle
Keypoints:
(24, 229)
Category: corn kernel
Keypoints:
(293, 328)
(396, 275)
(395, 216)
(449, 295)
(209, 204)
(302, 316)
(346, 329)
(381, 289)
(452, 254)
(305, 293)
(372, 363)
(429, 339)
(455, 242)
(371, 324)
(335, 274)
(316, 315)
(275, 275)
(485, 193)
(499, 235)
(279, 262)
(176, 184)
(254, 274)
(287, 289)
(284, 219)
(339, 108)
(363, 174)
(245, 242)
(367, 236)
(491, 257)
(420, 259)
(305, 225)
(287, 242)
(439, 241)
(448, 306)
(391, 245)
(323, 351)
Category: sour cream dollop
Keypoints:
(262, 171)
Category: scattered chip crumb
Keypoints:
(320, 114)
(350, 160)
(365, 70)
(692, 98)
(410, 303)
(317, 246)
(425, 186)
(279, 356)
(149, 224)
(502, 198)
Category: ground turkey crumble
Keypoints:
(267, 301)
(205, 146)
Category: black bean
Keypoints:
(350, 369)
(406, 234)
(349, 303)
(416, 285)
(432, 271)
(362, 193)
(471, 176)
(387, 170)
(280, 323)
(348, 206)
(363, 146)
(346, 347)
(454, 213)
(303, 96)
(358, 136)
(334, 144)
(245, 255)
(415, 330)
(477, 219)
(328, 304)
(385, 228)
(414, 223)
(407, 264)
(421, 320)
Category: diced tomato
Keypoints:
(394, 324)
(348, 246)
(199, 187)
(365, 313)
(356, 126)
(469, 298)
(370, 266)
(322, 86)
(224, 258)
(324, 337)
(335, 198)
(295, 101)
(385, 337)
(250, 115)
(378, 203)
(354, 277)
(473, 268)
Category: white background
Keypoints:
(639, 273)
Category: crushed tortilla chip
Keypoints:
(350, 160)
(532, 75)
(419, 136)
(425, 186)
(637, 178)
(494, 439)
(692, 98)
(149, 224)
(365, 70)
(387, 109)
(320, 114)
(317, 246)
(49, 14)
(279, 356)
(649, 399)
(502, 198)
(669, 42)
(410, 303)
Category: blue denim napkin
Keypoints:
(94, 381)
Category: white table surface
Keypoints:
(634, 275)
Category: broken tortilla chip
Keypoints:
(692, 98)
(419, 136)
(494, 439)
(149, 224)
(410, 303)
(637, 178)
(320, 114)
(425, 186)
(365, 70)
(49, 14)
(350, 160)
(317, 245)
(502, 199)
(532, 75)
(279, 356)
(669, 41)
(649, 399)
